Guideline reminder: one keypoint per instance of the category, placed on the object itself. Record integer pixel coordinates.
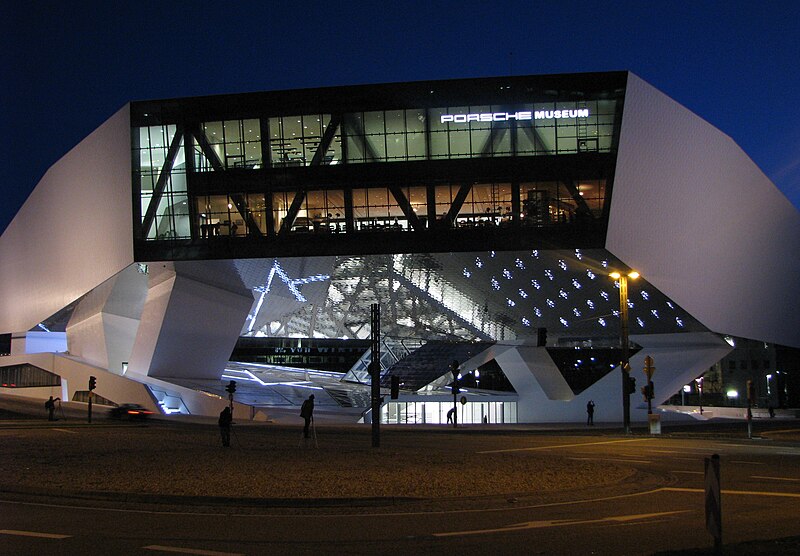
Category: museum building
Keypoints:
(484, 216)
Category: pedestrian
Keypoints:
(50, 406)
(307, 413)
(590, 413)
(225, 422)
(771, 412)
(450, 415)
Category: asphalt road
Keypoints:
(659, 506)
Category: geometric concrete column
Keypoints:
(103, 326)
(539, 384)
(192, 318)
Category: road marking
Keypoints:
(65, 430)
(535, 448)
(784, 431)
(664, 451)
(190, 550)
(748, 462)
(687, 472)
(33, 534)
(560, 523)
(774, 478)
(744, 492)
(614, 459)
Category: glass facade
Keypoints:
(27, 376)
(160, 172)
(435, 412)
(234, 143)
(232, 185)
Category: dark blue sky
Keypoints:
(68, 66)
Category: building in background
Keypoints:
(483, 215)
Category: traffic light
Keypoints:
(231, 387)
(395, 384)
(630, 385)
(541, 338)
(92, 383)
(648, 391)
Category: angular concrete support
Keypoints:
(103, 326)
(191, 320)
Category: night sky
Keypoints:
(69, 65)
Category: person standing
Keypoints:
(50, 406)
(307, 413)
(590, 413)
(225, 422)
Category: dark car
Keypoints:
(130, 411)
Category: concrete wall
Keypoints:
(702, 223)
(73, 232)
(119, 389)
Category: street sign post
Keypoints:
(713, 502)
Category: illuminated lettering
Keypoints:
(560, 114)
(518, 116)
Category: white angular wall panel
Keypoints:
(73, 232)
(191, 320)
(702, 223)
(103, 326)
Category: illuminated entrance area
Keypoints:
(435, 412)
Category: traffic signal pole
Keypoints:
(375, 373)
(230, 389)
(92, 386)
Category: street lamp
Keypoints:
(625, 366)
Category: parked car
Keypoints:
(130, 411)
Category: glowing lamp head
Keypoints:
(632, 275)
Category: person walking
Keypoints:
(307, 413)
(590, 413)
(225, 422)
(50, 406)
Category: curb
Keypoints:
(223, 501)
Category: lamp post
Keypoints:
(625, 366)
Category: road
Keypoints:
(659, 508)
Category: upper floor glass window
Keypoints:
(296, 140)
(234, 143)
